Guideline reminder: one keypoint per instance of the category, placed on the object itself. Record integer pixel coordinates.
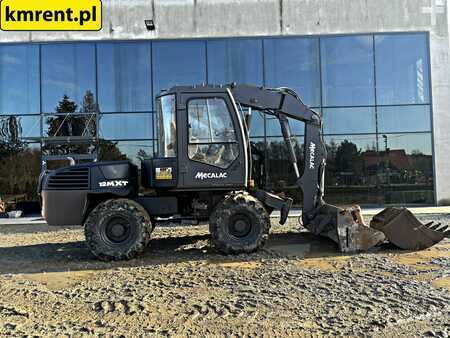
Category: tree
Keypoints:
(347, 155)
(19, 164)
(10, 133)
(109, 151)
(71, 122)
(349, 160)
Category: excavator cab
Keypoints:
(201, 141)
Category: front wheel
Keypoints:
(117, 229)
(239, 224)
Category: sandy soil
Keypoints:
(50, 285)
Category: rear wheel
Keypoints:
(239, 224)
(117, 229)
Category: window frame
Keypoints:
(188, 143)
(157, 127)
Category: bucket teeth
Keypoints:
(444, 228)
(433, 227)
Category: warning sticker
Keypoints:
(164, 173)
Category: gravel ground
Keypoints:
(50, 285)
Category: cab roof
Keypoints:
(201, 88)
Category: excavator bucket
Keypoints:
(405, 231)
(346, 227)
(353, 234)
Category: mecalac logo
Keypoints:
(205, 176)
(113, 184)
(312, 155)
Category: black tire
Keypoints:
(117, 229)
(239, 224)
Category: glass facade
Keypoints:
(97, 99)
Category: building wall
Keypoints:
(124, 20)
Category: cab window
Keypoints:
(212, 137)
(166, 126)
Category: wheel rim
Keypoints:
(240, 226)
(117, 229)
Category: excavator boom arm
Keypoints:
(284, 104)
(344, 226)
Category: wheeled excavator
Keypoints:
(202, 172)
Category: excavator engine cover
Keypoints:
(404, 230)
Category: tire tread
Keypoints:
(225, 210)
(105, 253)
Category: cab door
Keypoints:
(213, 152)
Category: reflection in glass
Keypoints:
(345, 158)
(124, 77)
(349, 120)
(259, 167)
(411, 143)
(19, 79)
(404, 119)
(14, 128)
(135, 151)
(406, 168)
(402, 69)
(67, 69)
(71, 147)
(348, 176)
(72, 129)
(20, 165)
(280, 173)
(347, 71)
(397, 169)
(294, 63)
(178, 63)
(237, 60)
(70, 121)
(209, 121)
(126, 126)
(257, 121)
(273, 127)
(166, 126)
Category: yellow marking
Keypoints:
(51, 15)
